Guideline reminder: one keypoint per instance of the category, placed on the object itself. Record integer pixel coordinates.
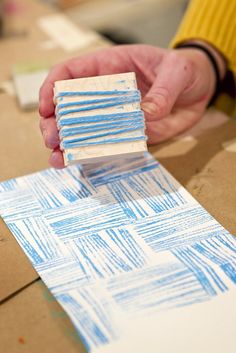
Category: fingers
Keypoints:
(173, 124)
(68, 70)
(77, 67)
(56, 159)
(50, 135)
(46, 105)
(103, 62)
(174, 75)
(49, 131)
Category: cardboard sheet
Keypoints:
(120, 246)
(29, 320)
(16, 272)
(32, 321)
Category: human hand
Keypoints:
(176, 86)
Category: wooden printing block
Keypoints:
(88, 111)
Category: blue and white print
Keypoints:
(119, 241)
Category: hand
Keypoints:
(176, 86)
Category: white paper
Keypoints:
(64, 32)
(136, 262)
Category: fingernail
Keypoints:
(149, 108)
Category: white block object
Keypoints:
(108, 104)
(65, 33)
(27, 86)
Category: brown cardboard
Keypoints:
(15, 269)
(29, 321)
(30, 47)
(33, 322)
(209, 172)
(21, 152)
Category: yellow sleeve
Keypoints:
(213, 21)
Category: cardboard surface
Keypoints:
(23, 307)
(125, 244)
(35, 46)
(208, 170)
(27, 322)
(16, 270)
(29, 316)
(32, 321)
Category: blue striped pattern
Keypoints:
(93, 93)
(101, 126)
(168, 230)
(100, 118)
(157, 288)
(97, 104)
(108, 253)
(92, 316)
(119, 241)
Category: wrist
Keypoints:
(214, 61)
(219, 58)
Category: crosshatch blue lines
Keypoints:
(114, 171)
(141, 196)
(92, 316)
(159, 287)
(118, 241)
(18, 205)
(179, 226)
(213, 261)
(108, 253)
(51, 187)
(8, 185)
(38, 240)
(63, 274)
(86, 217)
(46, 190)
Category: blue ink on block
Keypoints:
(96, 106)
(66, 145)
(117, 242)
(123, 99)
(105, 134)
(101, 127)
(92, 93)
(87, 118)
(70, 157)
(101, 117)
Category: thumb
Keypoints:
(174, 75)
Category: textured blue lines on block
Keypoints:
(116, 117)
(116, 127)
(124, 99)
(94, 93)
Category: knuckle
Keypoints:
(179, 61)
(173, 57)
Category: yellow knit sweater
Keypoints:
(213, 21)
